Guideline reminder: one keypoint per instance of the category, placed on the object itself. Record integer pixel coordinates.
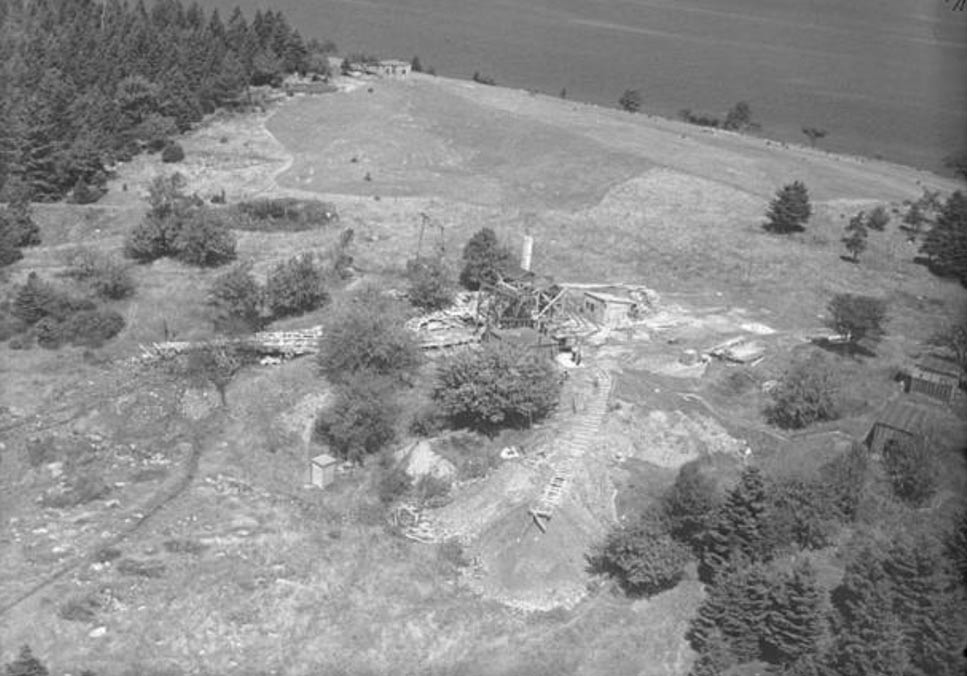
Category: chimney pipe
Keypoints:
(525, 253)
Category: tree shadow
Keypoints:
(849, 259)
(844, 349)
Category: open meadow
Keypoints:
(205, 552)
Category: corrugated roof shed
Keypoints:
(936, 364)
(905, 415)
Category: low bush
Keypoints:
(203, 240)
(393, 481)
(912, 470)
(807, 393)
(495, 387)
(85, 488)
(295, 287)
(236, 300)
(173, 152)
(149, 240)
(79, 609)
(10, 326)
(285, 214)
(367, 335)
(183, 546)
(431, 283)
(147, 568)
(641, 556)
(362, 419)
(432, 490)
(91, 328)
(107, 554)
(106, 276)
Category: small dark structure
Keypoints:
(935, 377)
(902, 419)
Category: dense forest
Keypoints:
(85, 84)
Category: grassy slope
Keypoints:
(608, 196)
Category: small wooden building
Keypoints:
(935, 377)
(902, 419)
(389, 68)
(322, 470)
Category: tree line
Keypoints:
(85, 84)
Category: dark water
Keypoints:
(885, 77)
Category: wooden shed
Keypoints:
(935, 377)
(901, 419)
(322, 470)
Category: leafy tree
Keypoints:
(415, 65)
(17, 230)
(104, 274)
(295, 287)
(805, 394)
(26, 664)
(912, 470)
(630, 100)
(217, 364)
(431, 286)
(496, 386)
(236, 299)
(367, 334)
(483, 258)
(737, 608)
(855, 239)
(856, 317)
(203, 240)
(945, 245)
(641, 556)
(688, 504)
(790, 209)
(363, 417)
(814, 134)
(795, 620)
(739, 528)
(878, 219)
(173, 152)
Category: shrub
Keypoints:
(483, 259)
(878, 219)
(845, 477)
(85, 488)
(86, 193)
(642, 556)
(26, 665)
(106, 276)
(688, 504)
(790, 209)
(912, 470)
(148, 568)
(284, 213)
(295, 287)
(203, 240)
(173, 152)
(394, 482)
(497, 386)
(38, 299)
(91, 328)
(362, 419)
(630, 100)
(806, 394)
(149, 240)
(79, 609)
(857, 317)
(431, 286)
(236, 299)
(17, 230)
(367, 334)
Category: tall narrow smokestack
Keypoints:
(525, 253)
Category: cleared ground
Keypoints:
(232, 566)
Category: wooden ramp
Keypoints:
(572, 445)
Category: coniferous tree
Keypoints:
(856, 234)
(945, 245)
(930, 602)
(737, 609)
(689, 503)
(739, 528)
(794, 623)
(790, 209)
(869, 639)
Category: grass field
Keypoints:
(234, 566)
